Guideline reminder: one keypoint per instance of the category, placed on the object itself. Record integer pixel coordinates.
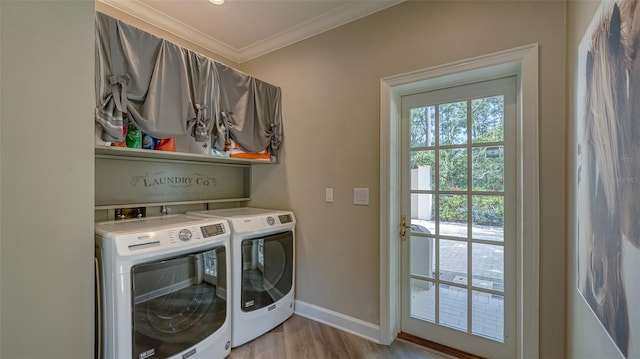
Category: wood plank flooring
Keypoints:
(302, 338)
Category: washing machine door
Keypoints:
(267, 270)
(178, 302)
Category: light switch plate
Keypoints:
(328, 194)
(361, 196)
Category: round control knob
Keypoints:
(271, 221)
(185, 235)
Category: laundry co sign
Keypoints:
(123, 181)
(162, 179)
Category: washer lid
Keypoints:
(139, 237)
(239, 212)
(144, 224)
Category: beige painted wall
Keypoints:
(331, 117)
(585, 336)
(330, 86)
(46, 161)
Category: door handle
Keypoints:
(403, 228)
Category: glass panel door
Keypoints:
(458, 266)
(178, 302)
(267, 270)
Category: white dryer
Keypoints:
(162, 288)
(263, 269)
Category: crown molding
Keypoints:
(348, 12)
(159, 19)
(341, 15)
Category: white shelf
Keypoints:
(158, 204)
(175, 156)
(126, 177)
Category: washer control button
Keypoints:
(185, 235)
(271, 221)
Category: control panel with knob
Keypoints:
(185, 235)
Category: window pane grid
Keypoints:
(470, 175)
(487, 291)
(445, 283)
(451, 147)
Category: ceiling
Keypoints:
(241, 30)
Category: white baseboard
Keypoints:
(355, 326)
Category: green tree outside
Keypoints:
(487, 161)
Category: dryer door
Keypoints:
(178, 302)
(267, 270)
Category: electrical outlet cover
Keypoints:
(361, 196)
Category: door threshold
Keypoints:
(438, 347)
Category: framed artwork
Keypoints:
(608, 172)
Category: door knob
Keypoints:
(403, 228)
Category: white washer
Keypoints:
(162, 289)
(263, 269)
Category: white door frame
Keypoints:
(523, 62)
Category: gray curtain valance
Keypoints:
(251, 110)
(169, 91)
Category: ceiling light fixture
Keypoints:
(217, 2)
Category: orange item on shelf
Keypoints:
(236, 152)
(166, 144)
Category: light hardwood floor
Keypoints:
(302, 338)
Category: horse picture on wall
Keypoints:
(608, 172)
